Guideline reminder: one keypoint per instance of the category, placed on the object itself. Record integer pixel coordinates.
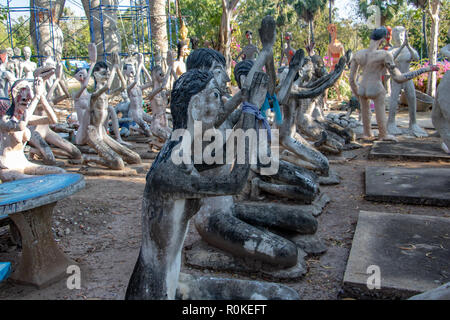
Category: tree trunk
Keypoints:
(311, 30)
(225, 31)
(329, 20)
(159, 25)
(50, 35)
(424, 32)
(104, 24)
(433, 50)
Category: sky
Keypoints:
(344, 11)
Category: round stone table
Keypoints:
(29, 204)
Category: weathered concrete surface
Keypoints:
(427, 186)
(211, 288)
(97, 171)
(411, 251)
(409, 149)
(440, 293)
(201, 255)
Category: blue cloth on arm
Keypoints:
(252, 109)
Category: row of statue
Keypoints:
(195, 88)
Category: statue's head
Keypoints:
(379, 35)
(157, 74)
(10, 52)
(17, 51)
(249, 35)
(129, 70)
(101, 73)
(27, 52)
(210, 60)
(319, 66)
(80, 74)
(332, 29)
(132, 49)
(195, 97)
(22, 94)
(398, 36)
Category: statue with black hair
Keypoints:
(173, 196)
(111, 154)
(14, 132)
(250, 50)
(373, 63)
(236, 227)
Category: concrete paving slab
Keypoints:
(426, 186)
(412, 253)
(409, 149)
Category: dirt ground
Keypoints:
(100, 228)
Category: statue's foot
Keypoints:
(393, 129)
(388, 138)
(417, 131)
(368, 138)
(445, 148)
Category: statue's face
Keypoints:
(332, 30)
(101, 76)
(27, 52)
(81, 75)
(398, 36)
(205, 105)
(158, 74)
(220, 75)
(22, 98)
(129, 71)
(9, 52)
(17, 51)
(132, 49)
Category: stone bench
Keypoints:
(29, 204)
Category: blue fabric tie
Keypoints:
(272, 103)
(252, 109)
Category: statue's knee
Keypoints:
(117, 164)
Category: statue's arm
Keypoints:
(286, 85)
(354, 66)
(104, 89)
(400, 77)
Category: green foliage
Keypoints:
(202, 19)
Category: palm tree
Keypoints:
(307, 9)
